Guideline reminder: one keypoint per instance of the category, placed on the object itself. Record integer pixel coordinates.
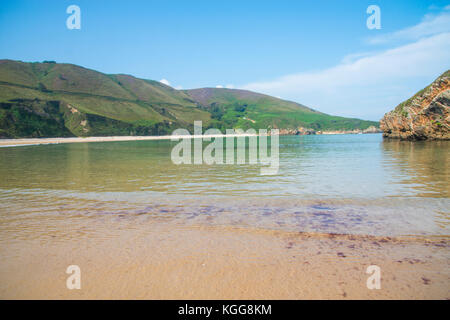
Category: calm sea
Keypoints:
(350, 184)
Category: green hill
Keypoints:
(231, 108)
(50, 99)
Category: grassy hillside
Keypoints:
(50, 99)
(231, 108)
(102, 104)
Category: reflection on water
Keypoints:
(422, 165)
(356, 184)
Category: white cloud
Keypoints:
(350, 58)
(165, 81)
(228, 86)
(430, 25)
(368, 86)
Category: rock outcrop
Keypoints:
(425, 116)
(306, 131)
(372, 129)
(297, 132)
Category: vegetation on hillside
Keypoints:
(50, 99)
(231, 108)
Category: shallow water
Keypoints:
(350, 184)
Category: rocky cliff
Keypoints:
(425, 116)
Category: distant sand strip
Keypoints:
(38, 141)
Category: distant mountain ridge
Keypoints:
(51, 99)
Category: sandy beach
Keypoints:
(125, 258)
(39, 141)
(225, 151)
(141, 227)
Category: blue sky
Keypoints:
(319, 53)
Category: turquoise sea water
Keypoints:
(352, 184)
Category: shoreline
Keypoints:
(42, 141)
(21, 142)
(139, 228)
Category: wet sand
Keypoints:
(120, 259)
